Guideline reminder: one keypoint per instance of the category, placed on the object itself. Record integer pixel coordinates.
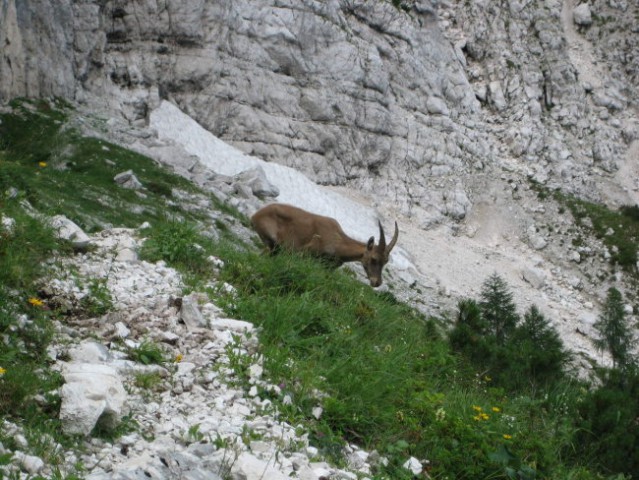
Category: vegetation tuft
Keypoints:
(618, 229)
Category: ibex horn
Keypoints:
(382, 239)
(393, 241)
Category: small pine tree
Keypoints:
(498, 308)
(614, 332)
(470, 315)
(608, 431)
(538, 347)
(471, 335)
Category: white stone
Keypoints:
(68, 230)
(21, 441)
(29, 463)
(90, 351)
(185, 368)
(497, 95)
(255, 371)
(128, 180)
(534, 276)
(190, 313)
(257, 182)
(582, 15)
(414, 465)
(249, 467)
(436, 106)
(7, 223)
(92, 392)
(170, 337)
(322, 472)
(121, 330)
(231, 324)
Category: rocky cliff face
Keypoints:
(409, 103)
(439, 111)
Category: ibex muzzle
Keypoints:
(285, 226)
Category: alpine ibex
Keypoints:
(285, 226)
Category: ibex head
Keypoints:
(376, 256)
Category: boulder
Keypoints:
(92, 393)
(581, 15)
(190, 313)
(255, 179)
(535, 276)
(68, 230)
(128, 180)
(249, 467)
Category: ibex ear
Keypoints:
(371, 243)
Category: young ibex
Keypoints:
(285, 226)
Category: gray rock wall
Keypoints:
(36, 53)
(407, 104)
(559, 91)
(344, 91)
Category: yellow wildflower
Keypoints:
(2, 371)
(36, 302)
(477, 408)
(178, 358)
(496, 409)
(481, 416)
(42, 164)
(507, 437)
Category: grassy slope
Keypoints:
(387, 377)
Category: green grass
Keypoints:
(619, 229)
(26, 330)
(58, 171)
(385, 376)
(389, 378)
(61, 172)
(148, 353)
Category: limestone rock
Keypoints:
(90, 352)
(497, 96)
(536, 240)
(414, 465)
(248, 467)
(582, 15)
(190, 313)
(68, 230)
(92, 393)
(30, 463)
(535, 276)
(456, 202)
(128, 180)
(7, 224)
(259, 185)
